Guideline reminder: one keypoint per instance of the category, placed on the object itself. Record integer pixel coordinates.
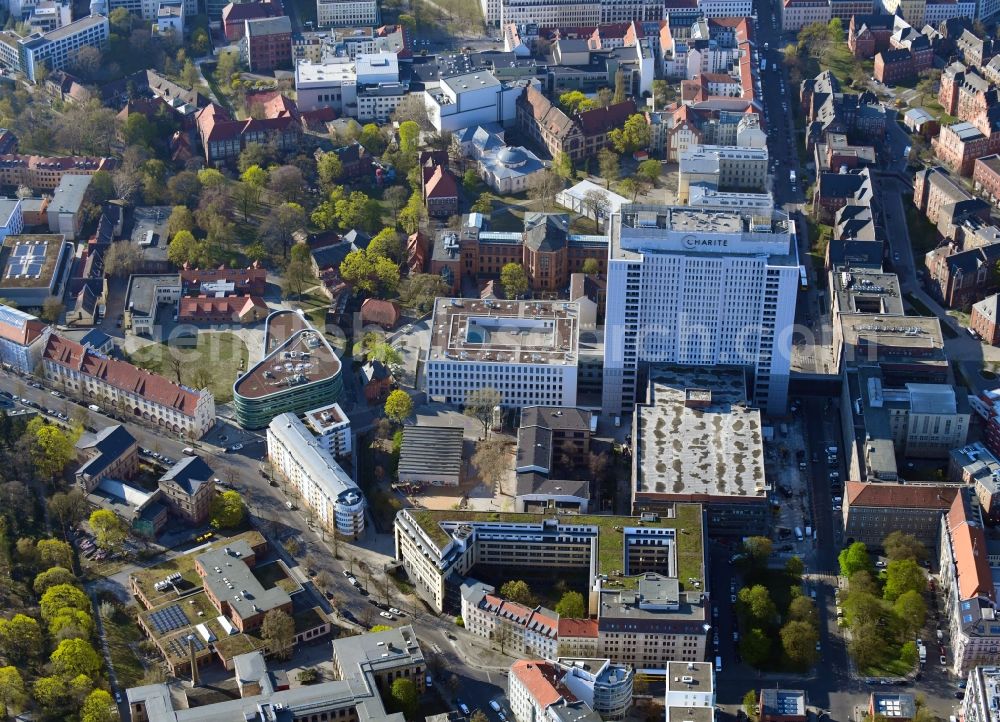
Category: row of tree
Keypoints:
(884, 611)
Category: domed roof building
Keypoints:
(506, 169)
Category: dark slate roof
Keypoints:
(189, 474)
(359, 240)
(109, 444)
(331, 256)
(95, 338)
(562, 418)
(545, 231)
(534, 447)
(855, 253)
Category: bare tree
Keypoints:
(490, 461)
(480, 405)
(544, 187)
(596, 203)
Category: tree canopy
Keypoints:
(517, 590)
(571, 605)
(226, 510)
(854, 559)
(398, 406)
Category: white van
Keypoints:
(94, 407)
(718, 664)
(798, 533)
(188, 451)
(494, 705)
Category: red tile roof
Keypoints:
(602, 120)
(439, 183)
(121, 375)
(901, 496)
(23, 336)
(540, 679)
(226, 308)
(248, 281)
(578, 628)
(968, 543)
(379, 311)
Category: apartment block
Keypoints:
(982, 692)
(720, 287)
(331, 427)
(796, 14)
(968, 581)
(127, 389)
(44, 173)
(690, 695)
(975, 466)
(322, 485)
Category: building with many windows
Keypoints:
(439, 548)
(718, 288)
(188, 487)
(324, 487)
(690, 692)
(331, 427)
(873, 511)
(725, 168)
(44, 173)
(56, 49)
(346, 13)
(526, 350)
(982, 695)
(968, 580)
(119, 386)
(22, 339)
(299, 371)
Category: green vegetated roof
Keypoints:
(687, 521)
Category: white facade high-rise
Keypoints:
(700, 287)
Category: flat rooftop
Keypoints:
(141, 297)
(891, 335)
(520, 332)
(690, 677)
(698, 435)
(440, 525)
(28, 261)
(295, 354)
(334, 70)
(325, 418)
(868, 292)
(230, 579)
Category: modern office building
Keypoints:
(713, 455)
(471, 99)
(11, 217)
(56, 49)
(299, 371)
(64, 211)
(35, 267)
(721, 168)
(330, 83)
(699, 287)
(526, 350)
(119, 386)
(437, 548)
(299, 458)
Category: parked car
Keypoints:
(386, 615)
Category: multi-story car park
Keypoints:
(526, 350)
(299, 372)
(699, 287)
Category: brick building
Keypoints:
(983, 319)
(986, 177)
(232, 588)
(223, 138)
(579, 136)
(440, 191)
(545, 248)
(959, 279)
(378, 311)
(869, 34)
(235, 15)
(894, 66)
(188, 487)
(267, 43)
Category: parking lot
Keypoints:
(785, 459)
